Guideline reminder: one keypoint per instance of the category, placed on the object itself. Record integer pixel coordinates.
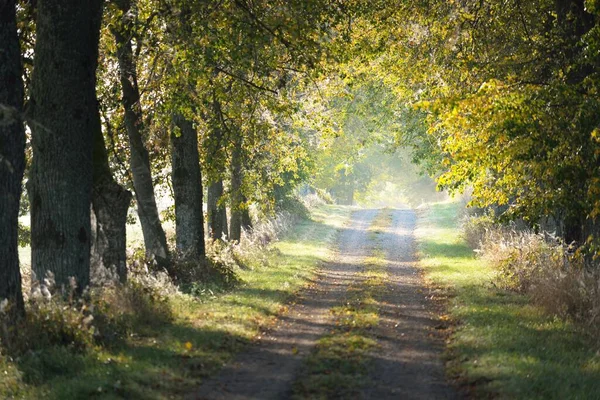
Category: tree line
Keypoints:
(505, 95)
(243, 100)
(118, 96)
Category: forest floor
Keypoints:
(363, 329)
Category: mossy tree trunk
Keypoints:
(64, 113)
(12, 155)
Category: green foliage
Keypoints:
(293, 205)
(498, 97)
(24, 235)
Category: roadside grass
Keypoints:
(501, 346)
(169, 360)
(339, 365)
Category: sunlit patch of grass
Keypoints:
(502, 345)
(340, 364)
(170, 360)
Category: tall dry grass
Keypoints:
(562, 281)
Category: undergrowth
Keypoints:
(148, 339)
(564, 282)
(503, 344)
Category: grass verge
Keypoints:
(339, 366)
(501, 345)
(168, 360)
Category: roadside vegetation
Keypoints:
(339, 365)
(502, 342)
(209, 118)
(150, 340)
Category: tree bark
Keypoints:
(217, 215)
(154, 236)
(12, 155)
(110, 203)
(63, 110)
(187, 187)
(235, 225)
(246, 220)
(573, 230)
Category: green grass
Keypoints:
(340, 364)
(502, 345)
(171, 359)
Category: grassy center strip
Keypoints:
(339, 367)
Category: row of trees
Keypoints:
(119, 96)
(123, 95)
(507, 93)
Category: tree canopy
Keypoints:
(496, 97)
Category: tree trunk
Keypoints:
(110, 203)
(217, 215)
(235, 226)
(246, 220)
(187, 187)
(154, 236)
(573, 231)
(63, 110)
(12, 155)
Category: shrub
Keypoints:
(52, 318)
(122, 310)
(293, 205)
(570, 290)
(55, 318)
(474, 228)
(519, 257)
(216, 273)
(24, 235)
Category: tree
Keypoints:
(154, 236)
(237, 197)
(187, 188)
(508, 89)
(64, 114)
(110, 203)
(215, 160)
(12, 154)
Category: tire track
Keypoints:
(268, 368)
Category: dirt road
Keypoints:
(407, 363)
